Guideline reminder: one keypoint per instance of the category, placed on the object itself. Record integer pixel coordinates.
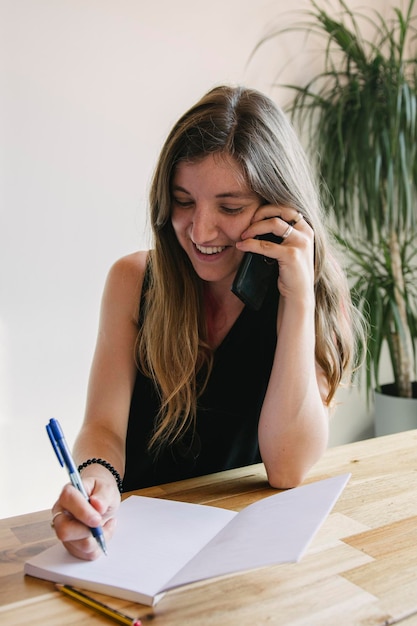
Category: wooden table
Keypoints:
(361, 567)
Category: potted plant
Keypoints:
(360, 112)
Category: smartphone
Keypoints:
(255, 274)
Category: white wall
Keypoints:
(89, 89)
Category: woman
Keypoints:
(186, 379)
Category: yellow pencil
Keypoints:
(102, 608)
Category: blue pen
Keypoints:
(65, 458)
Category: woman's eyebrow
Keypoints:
(179, 188)
(226, 194)
(234, 194)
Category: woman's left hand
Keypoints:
(295, 253)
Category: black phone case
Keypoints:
(254, 276)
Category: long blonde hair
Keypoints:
(172, 346)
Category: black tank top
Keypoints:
(228, 411)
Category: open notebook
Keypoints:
(162, 544)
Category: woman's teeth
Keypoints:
(210, 249)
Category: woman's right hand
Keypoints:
(73, 516)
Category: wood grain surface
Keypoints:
(360, 569)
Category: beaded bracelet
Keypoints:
(107, 466)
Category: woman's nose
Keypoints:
(203, 225)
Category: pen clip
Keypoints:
(51, 435)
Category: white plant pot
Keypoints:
(393, 414)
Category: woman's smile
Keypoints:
(210, 250)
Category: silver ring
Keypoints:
(287, 232)
(55, 515)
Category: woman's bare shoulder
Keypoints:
(125, 279)
(134, 263)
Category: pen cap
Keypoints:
(53, 429)
(60, 446)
